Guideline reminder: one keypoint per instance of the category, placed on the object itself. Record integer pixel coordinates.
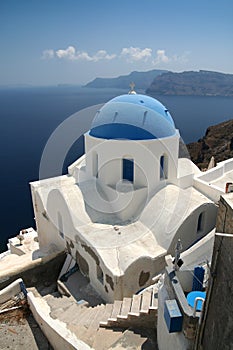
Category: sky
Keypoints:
(49, 42)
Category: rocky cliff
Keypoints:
(202, 83)
(217, 142)
(141, 79)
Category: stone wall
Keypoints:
(225, 214)
(216, 331)
(41, 272)
(218, 317)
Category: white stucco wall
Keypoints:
(166, 340)
(146, 155)
(212, 182)
(211, 191)
(48, 234)
(123, 250)
(188, 232)
(173, 213)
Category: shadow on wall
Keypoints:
(198, 224)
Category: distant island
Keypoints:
(142, 80)
(202, 83)
(162, 82)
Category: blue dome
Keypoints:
(133, 117)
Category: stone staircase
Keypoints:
(82, 320)
(138, 311)
(101, 326)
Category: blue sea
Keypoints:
(29, 115)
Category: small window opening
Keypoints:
(163, 167)
(95, 164)
(200, 223)
(128, 169)
(100, 274)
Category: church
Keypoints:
(125, 203)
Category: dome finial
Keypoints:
(132, 86)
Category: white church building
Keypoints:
(124, 204)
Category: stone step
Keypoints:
(97, 317)
(140, 308)
(80, 332)
(73, 314)
(146, 302)
(154, 300)
(85, 327)
(106, 315)
(57, 313)
(93, 327)
(86, 317)
(104, 338)
(115, 311)
(60, 306)
(135, 306)
(125, 308)
(131, 341)
(91, 316)
(59, 302)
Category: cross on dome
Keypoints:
(132, 86)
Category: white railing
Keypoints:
(195, 305)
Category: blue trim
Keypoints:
(173, 316)
(64, 278)
(23, 288)
(198, 278)
(121, 131)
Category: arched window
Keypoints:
(163, 167)
(200, 222)
(95, 164)
(128, 169)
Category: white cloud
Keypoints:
(136, 54)
(68, 53)
(161, 57)
(102, 55)
(98, 56)
(131, 54)
(47, 54)
(83, 56)
(71, 54)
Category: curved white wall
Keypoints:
(107, 155)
